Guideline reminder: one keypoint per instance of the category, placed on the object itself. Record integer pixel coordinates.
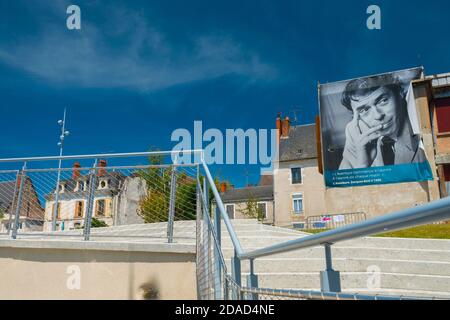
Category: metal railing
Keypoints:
(329, 278)
(331, 221)
(166, 193)
(41, 200)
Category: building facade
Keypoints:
(116, 199)
(299, 190)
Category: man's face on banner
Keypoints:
(381, 107)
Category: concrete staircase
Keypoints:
(413, 267)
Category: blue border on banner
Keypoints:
(410, 172)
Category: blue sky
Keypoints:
(137, 70)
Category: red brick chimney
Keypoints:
(76, 171)
(101, 168)
(285, 127)
(278, 126)
(223, 187)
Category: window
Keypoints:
(86, 185)
(297, 203)
(100, 208)
(61, 188)
(296, 175)
(443, 115)
(263, 207)
(79, 209)
(102, 184)
(230, 210)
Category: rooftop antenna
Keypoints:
(295, 119)
(62, 136)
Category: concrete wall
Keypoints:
(127, 203)
(52, 273)
(312, 189)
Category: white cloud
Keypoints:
(126, 52)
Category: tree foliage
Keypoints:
(252, 210)
(154, 207)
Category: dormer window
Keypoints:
(103, 184)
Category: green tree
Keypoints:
(96, 223)
(252, 210)
(154, 207)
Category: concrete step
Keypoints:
(361, 280)
(265, 265)
(355, 252)
(432, 244)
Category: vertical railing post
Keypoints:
(13, 208)
(236, 273)
(217, 252)
(206, 192)
(90, 202)
(173, 193)
(207, 244)
(55, 207)
(19, 201)
(252, 279)
(330, 280)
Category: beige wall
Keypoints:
(44, 274)
(67, 212)
(239, 208)
(312, 189)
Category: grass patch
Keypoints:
(314, 231)
(432, 231)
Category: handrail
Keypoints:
(435, 211)
(104, 155)
(319, 295)
(223, 213)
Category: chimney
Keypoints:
(101, 168)
(285, 127)
(76, 171)
(223, 187)
(278, 126)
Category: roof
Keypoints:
(300, 145)
(243, 194)
(6, 193)
(115, 179)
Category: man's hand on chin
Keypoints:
(358, 152)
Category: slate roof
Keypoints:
(243, 194)
(300, 145)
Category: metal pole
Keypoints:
(90, 202)
(19, 202)
(252, 279)
(206, 192)
(173, 190)
(16, 186)
(58, 179)
(330, 280)
(217, 249)
(236, 272)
